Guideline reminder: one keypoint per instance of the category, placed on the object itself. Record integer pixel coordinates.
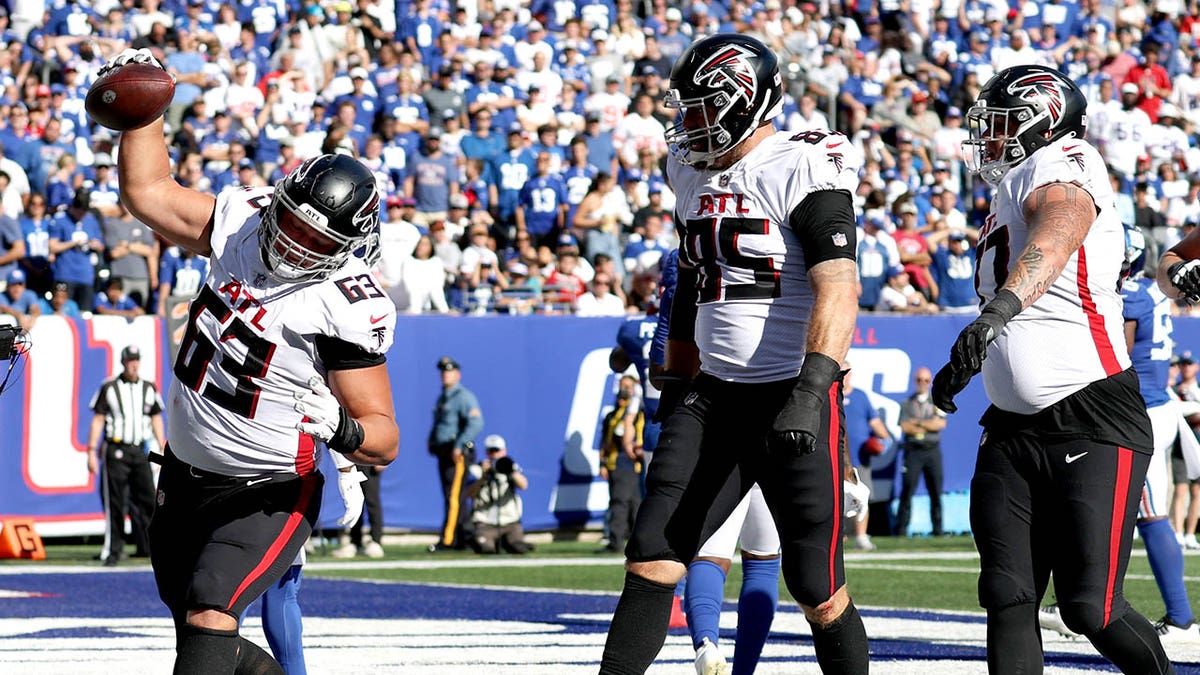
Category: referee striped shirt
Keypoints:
(127, 408)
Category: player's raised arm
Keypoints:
(148, 189)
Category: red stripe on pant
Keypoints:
(1117, 528)
(307, 488)
(835, 463)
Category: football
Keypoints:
(130, 97)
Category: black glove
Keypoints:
(1186, 277)
(970, 349)
(795, 428)
(946, 385)
(672, 392)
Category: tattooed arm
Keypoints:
(1059, 217)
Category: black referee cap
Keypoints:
(131, 353)
(447, 363)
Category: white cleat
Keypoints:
(344, 551)
(372, 549)
(1050, 619)
(709, 660)
(863, 543)
(1170, 632)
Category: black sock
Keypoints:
(1132, 645)
(252, 660)
(639, 626)
(204, 651)
(842, 645)
(1014, 639)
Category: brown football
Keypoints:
(131, 96)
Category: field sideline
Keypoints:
(548, 613)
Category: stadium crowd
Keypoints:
(519, 145)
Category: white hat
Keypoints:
(1130, 88)
(673, 14)
(495, 441)
(359, 72)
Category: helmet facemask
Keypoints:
(297, 242)
(700, 134)
(1001, 138)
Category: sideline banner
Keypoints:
(542, 381)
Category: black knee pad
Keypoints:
(999, 589)
(1085, 618)
(205, 650)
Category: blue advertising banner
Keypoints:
(542, 381)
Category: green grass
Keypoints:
(901, 583)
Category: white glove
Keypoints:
(129, 56)
(858, 498)
(352, 496)
(321, 408)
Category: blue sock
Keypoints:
(1166, 561)
(705, 594)
(681, 586)
(282, 622)
(756, 611)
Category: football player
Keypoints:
(1148, 329)
(1066, 441)
(284, 348)
(761, 318)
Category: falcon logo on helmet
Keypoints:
(731, 66)
(1031, 87)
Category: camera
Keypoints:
(8, 339)
(504, 466)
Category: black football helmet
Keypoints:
(724, 87)
(1020, 110)
(325, 210)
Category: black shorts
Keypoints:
(1045, 504)
(713, 449)
(217, 542)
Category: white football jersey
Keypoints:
(251, 344)
(754, 298)
(1074, 334)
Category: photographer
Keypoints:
(496, 506)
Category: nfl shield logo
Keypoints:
(839, 239)
(723, 181)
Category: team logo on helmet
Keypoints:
(730, 66)
(1041, 85)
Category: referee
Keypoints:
(127, 408)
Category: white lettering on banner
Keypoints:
(580, 455)
(879, 372)
(53, 454)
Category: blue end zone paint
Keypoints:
(133, 595)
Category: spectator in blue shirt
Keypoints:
(506, 175)
(365, 104)
(953, 269)
(494, 96)
(247, 49)
(76, 243)
(482, 143)
(60, 302)
(180, 274)
(187, 65)
(114, 301)
(432, 178)
(601, 151)
(420, 29)
(35, 230)
(265, 16)
(19, 302)
(578, 174)
(542, 203)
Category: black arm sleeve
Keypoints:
(337, 354)
(683, 307)
(824, 222)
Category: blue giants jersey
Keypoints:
(1152, 345)
(542, 198)
(634, 337)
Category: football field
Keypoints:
(459, 613)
